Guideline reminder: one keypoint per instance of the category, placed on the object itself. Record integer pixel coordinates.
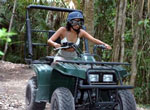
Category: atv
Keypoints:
(82, 83)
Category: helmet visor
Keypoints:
(74, 23)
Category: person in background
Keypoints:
(73, 32)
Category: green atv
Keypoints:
(78, 84)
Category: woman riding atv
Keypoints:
(73, 32)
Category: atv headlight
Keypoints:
(94, 77)
(107, 78)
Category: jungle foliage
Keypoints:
(104, 23)
(5, 37)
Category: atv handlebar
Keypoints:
(68, 45)
(65, 45)
(98, 46)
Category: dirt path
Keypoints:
(13, 80)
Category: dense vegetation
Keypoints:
(105, 12)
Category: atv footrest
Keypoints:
(106, 86)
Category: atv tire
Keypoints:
(62, 99)
(126, 100)
(30, 96)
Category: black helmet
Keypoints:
(75, 15)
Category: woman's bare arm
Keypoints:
(55, 36)
(94, 40)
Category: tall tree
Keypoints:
(118, 43)
(89, 18)
(10, 26)
(148, 5)
(137, 16)
(148, 75)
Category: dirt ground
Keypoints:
(13, 80)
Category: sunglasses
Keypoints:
(74, 23)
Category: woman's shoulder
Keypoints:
(62, 29)
(82, 32)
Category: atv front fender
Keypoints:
(43, 73)
(71, 70)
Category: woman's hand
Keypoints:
(56, 45)
(108, 46)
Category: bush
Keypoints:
(5, 36)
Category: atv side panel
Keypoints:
(48, 80)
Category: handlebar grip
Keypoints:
(101, 46)
(67, 44)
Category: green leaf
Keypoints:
(1, 53)
(146, 23)
(140, 22)
(8, 40)
(4, 35)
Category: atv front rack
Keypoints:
(105, 87)
(92, 63)
(90, 86)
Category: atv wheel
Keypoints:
(62, 99)
(30, 96)
(126, 101)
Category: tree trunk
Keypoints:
(118, 43)
(148, 5)
(147, 86)
(137, 14)
(122, 49)
(89, 19)
(10, 25)
(148, 75)
(123, 29)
